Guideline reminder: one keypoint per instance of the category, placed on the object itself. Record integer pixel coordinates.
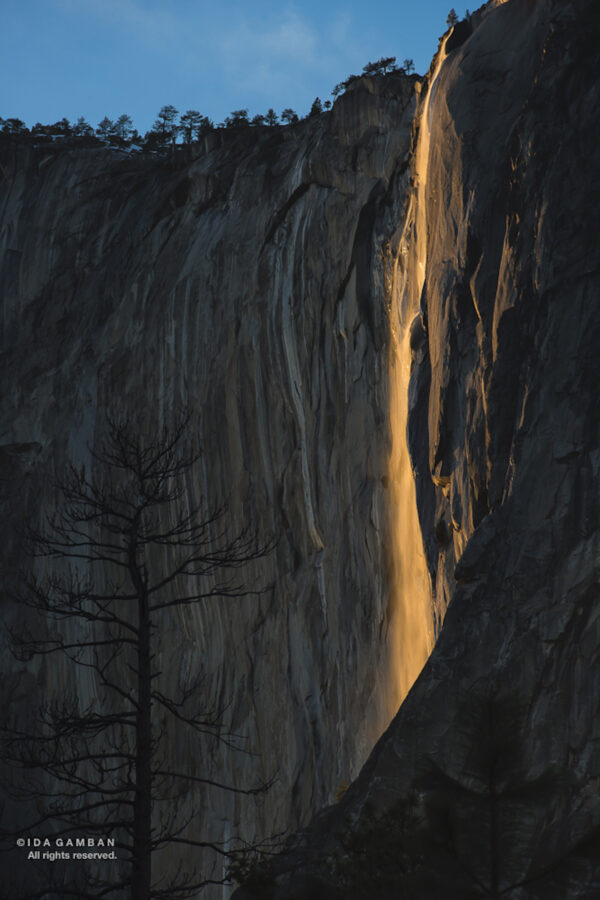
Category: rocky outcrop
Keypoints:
(486, 782)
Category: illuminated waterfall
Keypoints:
(411, 619)
(411, 610)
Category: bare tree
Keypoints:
(125, 550)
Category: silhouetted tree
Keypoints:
(381, 66)
(105, 128)
(13, 126)
(62, 128)
(452, 18)
(81, 128)
(123, 128)
(408, 66)
(154, 142)
(190, 123)
(344, 85)
(289, 116)
(271, 118)
(165, 125)
(317, 107)
(237, 119)
(126, 549)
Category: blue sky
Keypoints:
(97, 58)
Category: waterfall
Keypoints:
(410, 613)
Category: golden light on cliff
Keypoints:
(410, 611)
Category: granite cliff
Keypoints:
(239, 286)
(418, 264)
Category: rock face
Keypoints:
(308, 293)
(486, 782)
(248, 286)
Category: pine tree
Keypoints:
(288, 116)
(105, 128)
(190, 124)
(317, 107)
